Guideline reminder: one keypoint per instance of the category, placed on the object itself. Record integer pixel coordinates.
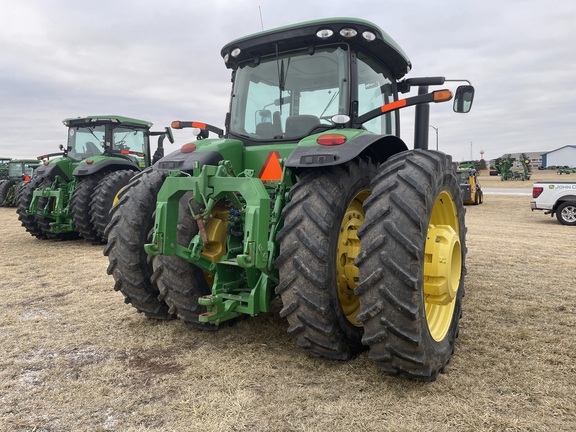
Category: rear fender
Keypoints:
(203, 152)
(309, 154)
(112, 164)
(51, 172)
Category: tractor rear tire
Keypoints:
(318, 245)
(23, 204)
(130, 228)
(103, 198)
(80, 207)
(4, 189)
(412, 264)
(181, 283)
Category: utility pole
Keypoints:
(471, 155)
(436, 129)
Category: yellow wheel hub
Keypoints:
(442, 265)
(216, 231)
(348, 248)
(116, 197)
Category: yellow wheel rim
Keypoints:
(216, 230)
(442, 265)
(348, 248)
(116, 197)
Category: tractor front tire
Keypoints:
(181, 283)
(80, 207)
(103, 198)
(412, 264)
(318, 245)
(130, 228)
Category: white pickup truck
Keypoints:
(556, 198)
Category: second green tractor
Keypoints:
(71, 195)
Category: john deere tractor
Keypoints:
(308, 195)
(4, 168)
(71, 195)
(19, 173)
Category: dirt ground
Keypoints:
(74, 357)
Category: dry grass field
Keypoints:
(74, 357)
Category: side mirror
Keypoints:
(169, 134)
(463, 99)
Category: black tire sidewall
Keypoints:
(559, 210)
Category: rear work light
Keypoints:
(331, 139)
(188, 148)
(536, 191)
(348, 32)
(324, 33)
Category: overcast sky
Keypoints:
(160, 61)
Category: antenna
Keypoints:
(261, 21)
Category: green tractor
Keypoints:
(71, 195)
(308, 196)
(4, 168)
(19, 173)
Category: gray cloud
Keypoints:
(160, 61)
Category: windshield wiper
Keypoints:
(282, 74)
(330, 103)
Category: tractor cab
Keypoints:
(109, 136)
(22, 169)
(300, 80)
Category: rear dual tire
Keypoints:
(130, 228)
(412, 264)
(318, 244)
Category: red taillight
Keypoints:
(188, 148)
(536, 191)
(331, 139)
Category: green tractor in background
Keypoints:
(19, 173)
(309, 196)
(4, 168)
(71, 195)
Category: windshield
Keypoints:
(464, 177)
(131, 142)
(15, 169)
(18, 169)
(84, 141)
(290, 96)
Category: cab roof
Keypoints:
(304, 35)
(102, 119)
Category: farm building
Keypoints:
(563, 156)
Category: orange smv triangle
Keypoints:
(271, 170)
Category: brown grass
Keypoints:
(75, 358)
